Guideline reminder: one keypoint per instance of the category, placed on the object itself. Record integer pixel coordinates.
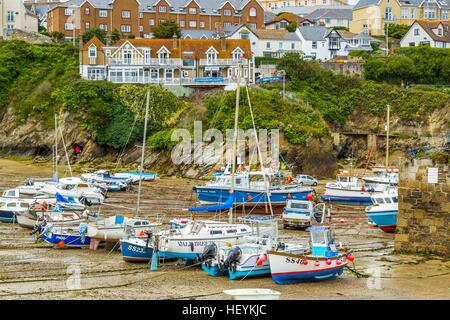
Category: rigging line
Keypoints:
(258, 148)
(65, 151)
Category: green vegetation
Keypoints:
(291, 26)
(94, 32)
(337, 96)
(265, 60)
(422, 64)
(167, 29)
(397, 31)
(41, 80)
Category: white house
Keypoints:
(330, 17)
(15, 15)
(321, 43)
(267, 43)
(433, 33)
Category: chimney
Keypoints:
(223, 43)
(175, 41)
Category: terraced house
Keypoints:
(140, 17)
(186, 62)
(371, 16)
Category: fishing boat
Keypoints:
(117, 227)
(33, 186)
(137, 249)
(382, 178)
(250, 191)
(297, 213)
(9, 208)
(384, 210)
(348, 190)
(136, 176)
(66, 236)
(74, 187)
(39, 213)
(323, 262)
(116, 182)
(246, 260)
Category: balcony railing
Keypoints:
(144, 62)
(168, 81)
(221, 62)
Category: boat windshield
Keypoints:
(395, 199)
(296, 205)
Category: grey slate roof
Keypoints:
(307, 10)
(209, 6)
(330, 14)
(313, 33)
(198, 34)
(365, 3)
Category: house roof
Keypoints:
(428, 27)
(198, 34)
(197, 47)
(305, 10)
(266, 34)
(96, 41)
(313, 33)
(101, 4)
(365, 3)
(209, 6)
(330, 14)
(288, 16)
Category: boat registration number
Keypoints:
(136, 249)
(294, 260)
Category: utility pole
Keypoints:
(387, 39)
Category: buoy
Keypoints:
(262, 258)
(309, 197)
(305, 262)
(328, 262)
(249, 197)
(289, 196)
(228, 244)
(61, 244)
(316, 264)
(338, 262)
(350, 258)
(141, 234)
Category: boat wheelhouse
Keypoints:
(384, 210)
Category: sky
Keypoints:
(352, 1)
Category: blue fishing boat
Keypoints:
(384, 210)
(66, 236)
(324, 262)
(9, 208)
(136, 249)
(147, 176)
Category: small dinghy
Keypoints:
(253, 294)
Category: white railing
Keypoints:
(221, 62)
(171, 81)
(144, 62)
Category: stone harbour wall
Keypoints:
(424, 209)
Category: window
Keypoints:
(211, 56)
(444, 15)
(182, 24)
(232, 231)
(68, 26)
(293, 46)
(252, 12)
(388, 13)
(87, 11)
(237, 55)
(192, 11)
(169, 74)
(10, 16)
(404, 13)
(439, 32)
(108, 52)
(68, 12)
(147, 56)
(126, 14)
(193, 24)
(103, 13)
(212, 232)
(141, 28)
(163, 56)
(125, 28)
(280, 45)
(412, 44)
(103, 27)
(162, 9)
(141, 15)
(244, 35)
(314, 44)
(252, 25)
(127, 56)
(227, 12)
(152, 22)
(227, 24)
(429, 13)
(87, 25)
(92, 52)
(267, 45)
(416, 31)
(202, 24)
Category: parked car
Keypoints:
(305, 179)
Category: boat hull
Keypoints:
(71, 241)
(287, 269)
(8, 216)
(385, 220)
(132, 251)
(347, 196)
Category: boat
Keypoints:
(33, 186)
(9, 208)
(253, 294)
(66, 236)
(74, 187)
(297, 213)
(113, 182)
(177, 223)
(35, 214)
(380, 168)
(189, 242)
(323, 262)
(347, 190)
(117, 227)
(384, 210)
(136, 176)
(137, 249)
(247, 260)
(250, 191)
(382, 178)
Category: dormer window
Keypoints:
(238, 54)
(162, 9)
(211, 56)
(163, 55)
(227, 12)
(192, 11)
(252, 12)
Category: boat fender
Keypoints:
(82, 230)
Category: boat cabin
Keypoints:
(384, 199)
(322, 242)
(13, 205)
(219, 229)
(347, 179)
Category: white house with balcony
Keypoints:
(321, 43)
(189, 62)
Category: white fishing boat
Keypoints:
(117, 227)
(10, 208)
(382, 178)
(33, 186)
(384, 210)
(74, 187)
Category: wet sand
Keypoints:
(30, 270)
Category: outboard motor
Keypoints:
(209, 252)
(232, 258)
(149, 234)
(38, 227)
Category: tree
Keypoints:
(167, 29)
(57, 36)
(292, 26)
(115, 36)
(94, 32)
(397, 31)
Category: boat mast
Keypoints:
(387, 137)
(142, 154)
(236, 118)
(55, 177)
